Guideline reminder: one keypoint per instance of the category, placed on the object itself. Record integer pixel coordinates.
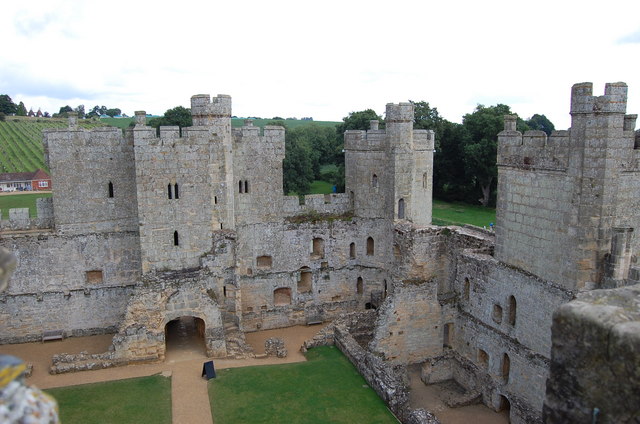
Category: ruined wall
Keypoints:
(595, 367)
(93, 174)
(408, 325)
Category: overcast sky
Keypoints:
(322, 59)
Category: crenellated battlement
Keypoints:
(614, 99)
(401, 112)
(205, 110)
(372, 140)
(533, 149)
(424, 139)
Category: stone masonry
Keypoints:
(146, 227)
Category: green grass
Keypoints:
(135, 400)
(325, 389)
(12, 201)
(320, 187)
(459, 214)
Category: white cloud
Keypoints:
(324, 60)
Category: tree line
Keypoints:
(8, 107)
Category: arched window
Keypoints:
(240, 186)
(246, 186)
(169, 191)
(370, 246)
(401, 209)
(176, 239)
(374, 181)
(110, 189)
(467, 287)
(352, 251)
(506, 366)
(359, 286)
(175, 191)
(512, 310)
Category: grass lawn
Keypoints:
(12, 201)
(134, 400)
(320, 187)
(325, 389)
(459, 214)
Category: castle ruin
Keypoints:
(144, 228)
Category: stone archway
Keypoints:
(184, 338)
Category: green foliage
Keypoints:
(21, 110)
(540, 123)
(325, 389)
(80, 111)
(179, 116)
(359, 121)
(298, 164)
(20, 200)
(113, 112)
(6, 105)
(481, 148)
(135, 400)
(2, 116)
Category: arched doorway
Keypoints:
(184, 338)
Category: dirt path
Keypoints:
(184, 360)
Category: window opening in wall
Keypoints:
(401, 209)
(215, 200)
(264, 261)
(505, 405)
(506, 365)
(110, 189)
(512, 310)
(246, 186)
(176, 239)
(384, 294)
(448, 334)
(352, 198)
(425, 180)
(318, 248)
(169, 191)
(305, 281)
(175, 191)
(467, 287)
(483, 359)
(497, 314)
(352, 251)
(368, 305)
(370, 246)
(224, 291)
(282, 296)
(359, 286)
(94, 277)
(397, 254)
(374, 181)
(240, 186)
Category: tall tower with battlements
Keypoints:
(389, 172)
(572, 197)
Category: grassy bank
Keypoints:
(21, 200)
(445, 213)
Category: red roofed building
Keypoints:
(25, 181)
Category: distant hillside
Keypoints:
(21, 137)
(21, 141)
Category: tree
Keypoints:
(21, 110)
(179, 116)
(541, 123)
(358, 121)
(298, 163)
(96, 111)
(80, 111)
(113, 112)
(6, 105)
(428, 118)
(480, 150)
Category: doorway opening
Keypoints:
(184, 338)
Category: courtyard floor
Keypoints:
(184, 361)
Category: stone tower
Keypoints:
(389, 172)
(570, 196)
